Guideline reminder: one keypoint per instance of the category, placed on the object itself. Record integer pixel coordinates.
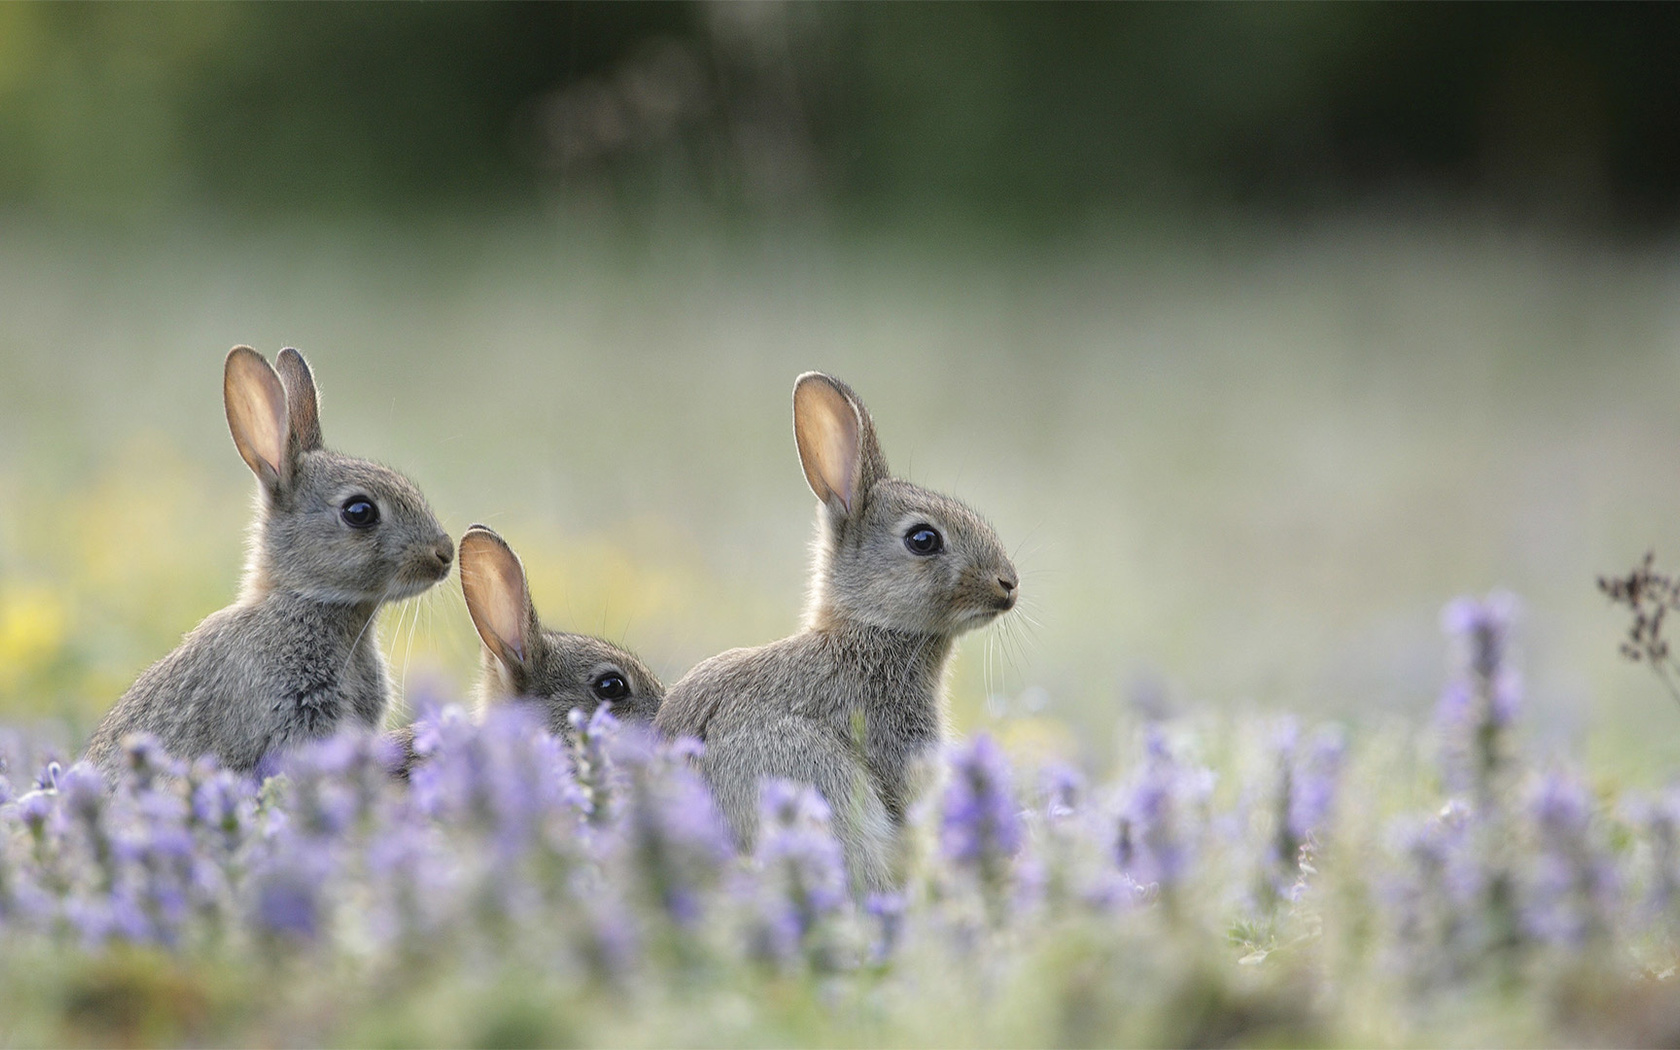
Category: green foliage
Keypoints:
(1016, 118)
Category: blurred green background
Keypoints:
(1259, 331)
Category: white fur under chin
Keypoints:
(411, 590)
(396, 592)
(975, 619)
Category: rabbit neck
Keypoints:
(352, 618)
(898, 669)
(260, 583)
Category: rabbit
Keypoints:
(852, 704)
(523, 659)
(296, 657)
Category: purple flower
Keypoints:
(288, 902)
(144, 761)
(887, 909)
(980, 827)
(1480, 702)
(222, 802)
(802, 874)
(420, 879)
(671, 835)
(1156, 829)
(1572, 881)
(1315, 777)
(1062, 789)
(506, 776)
(48, 780)
(1302, 795)
(1431, 895)
(34, 808)
(591, 764)
(1659, 818)
(1485, 625)
(83, 790)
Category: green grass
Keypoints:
(1243, 472)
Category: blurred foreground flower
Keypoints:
(592, 876)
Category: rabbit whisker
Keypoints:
(1000, 636)
(995, 685)
(1015, 554)
(378, 604)
(994, 649)
(408, 649)
(394, 634)
(1014, 648)
(1002, 664)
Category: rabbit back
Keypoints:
(252, 679)
(807, 751)
(854, 712)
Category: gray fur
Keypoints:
(853, 703)
(296, 656)
(558, 676)
(523, 660)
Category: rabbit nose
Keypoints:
(1006, 591)
(445, 553)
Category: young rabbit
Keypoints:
(852, 703)
(296, 657)
(523, 659)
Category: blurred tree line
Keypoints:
(1028, 117)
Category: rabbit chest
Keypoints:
(323, 668)
(892, 683)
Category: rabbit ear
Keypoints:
(836, 439)
(493, 582)
(300, 399)
(256, 414)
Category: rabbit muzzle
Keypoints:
(424, 567)
(984, 600)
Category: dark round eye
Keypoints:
(359, 512)
(924, 539)
(610, 685)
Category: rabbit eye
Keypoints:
(924, 540)
(359, 512)
(610, 686)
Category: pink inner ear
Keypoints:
(826, 429)
(493, 582)
(256, 408)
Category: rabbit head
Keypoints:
(334, 528)
(888, 553)
(560, 670)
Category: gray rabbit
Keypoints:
(296, 657)
(852, 704)
(524, 660)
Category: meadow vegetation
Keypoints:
(1257, 332)
(1242, 478)
(1241, 881)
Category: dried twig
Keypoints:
(1650, 595)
